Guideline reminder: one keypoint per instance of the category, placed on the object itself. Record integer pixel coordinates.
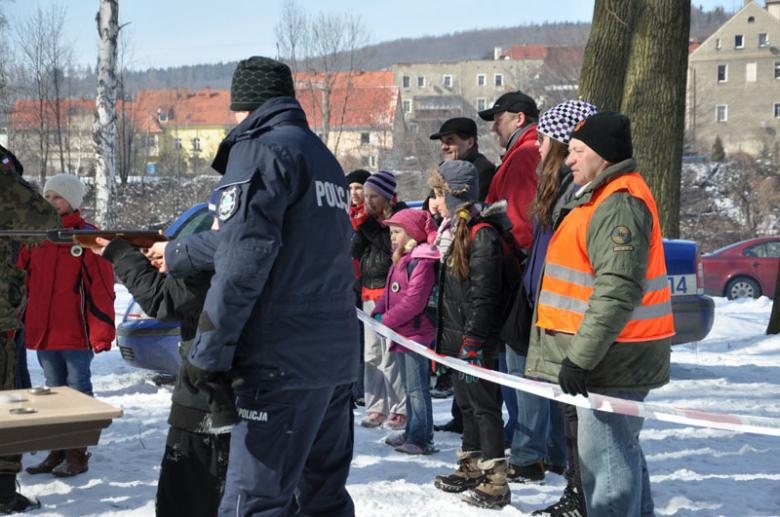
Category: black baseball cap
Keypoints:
(456, 125)
(514, 102)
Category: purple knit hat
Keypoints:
(417, 223)
(383, 182)
(558, 122)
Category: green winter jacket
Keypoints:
(617, 291)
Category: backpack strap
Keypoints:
(479, 226)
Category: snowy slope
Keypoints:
(694, 471)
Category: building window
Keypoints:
(364, 161)
(446, 81)
(777, 69)
(498, 80)
(162, 116)
(763, 40)
(751, 19)
(723, 73)
(406, 81)
(372, 161)
(421, 81)
(177, 143)
(413, 128)
(407, 106)
(481, 80)
(750, 72)
(481, 104)
(739, 41)
(721, 113)
(365, 138)
(151, 141)
(717, 43)
(777, 109)
(196, 144)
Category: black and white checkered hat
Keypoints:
(559, 121)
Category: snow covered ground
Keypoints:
(694, 470)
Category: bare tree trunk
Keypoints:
(104, 130)
(774, 318)
(607, 53)
(654, 100)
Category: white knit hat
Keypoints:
(68, 186)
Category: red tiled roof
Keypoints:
(526, 52)
(357, 79)
(354, 107)
(184, 107)
(26, 113)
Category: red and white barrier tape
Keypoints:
(665, 413)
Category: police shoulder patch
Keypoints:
(228, 204)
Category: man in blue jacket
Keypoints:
(279, 318)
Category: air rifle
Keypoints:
(88, 238)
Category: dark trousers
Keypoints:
(192, 475)
(11, 464)
(572, 473)
(358, 390)
(22, 373)
(483, 426)
(291, 443)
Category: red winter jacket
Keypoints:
(516, 181)
(70, 299)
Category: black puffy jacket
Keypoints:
(167, 299)
(371, 246)
(475, 305)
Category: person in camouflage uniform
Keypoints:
(21, 208)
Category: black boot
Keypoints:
(572, 504)
(453, 426)
(12, 501)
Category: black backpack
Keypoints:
(432, 307)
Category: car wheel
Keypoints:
(742, 287)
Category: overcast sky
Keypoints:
(166, 33)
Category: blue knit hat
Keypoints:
(383, 182)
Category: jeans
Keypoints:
(67, 368)
(510, 401)
(419, 409)
(539, 433)
(615, 480)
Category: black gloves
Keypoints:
(572, 378)
(218, 387)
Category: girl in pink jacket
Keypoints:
(402, 308)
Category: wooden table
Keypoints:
(63, 419)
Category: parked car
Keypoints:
(150, 344)
(747, 269)
(145, 342)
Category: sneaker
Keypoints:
(410, 448)
(555, 469)
(395, 440)
(395, 422)
(360, 402)
(373, 420)
(453, 426)
(528, 474)
(572, 504)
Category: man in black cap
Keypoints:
(459, 142)
(514, 117)
(279, 318)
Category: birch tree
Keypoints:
(104, 130)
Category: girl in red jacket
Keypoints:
(70, 310)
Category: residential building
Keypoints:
(733, 89)
(356, 114)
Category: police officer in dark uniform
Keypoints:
(279, 315)
(21, 208)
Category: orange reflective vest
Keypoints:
(568, 279)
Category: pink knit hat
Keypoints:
(417, 223)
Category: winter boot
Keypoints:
(12, 501)
(467, 476)
(52, 460)
(75, 462)
(572, 504)
(493, 491)
(529, 474)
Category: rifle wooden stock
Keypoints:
(88, 238)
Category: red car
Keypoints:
(747, 269)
